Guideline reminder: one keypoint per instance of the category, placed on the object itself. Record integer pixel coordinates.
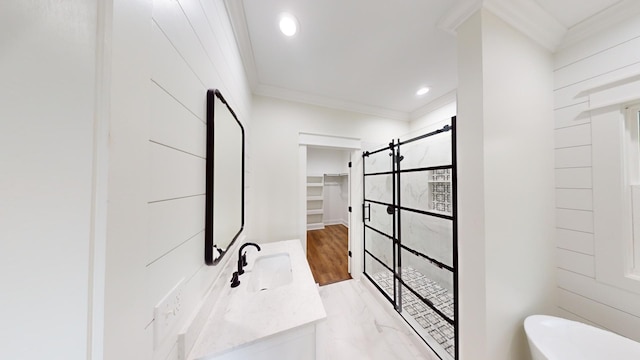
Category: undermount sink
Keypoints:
(270, 272)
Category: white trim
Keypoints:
(236, 14)
(535, 22)
(318, 140)
(611, 201)
(333, 103)
(355, 190)
(524, 15)
(632, 161)
(603, 20)
(531, 19)
(458, 14)
(315, 226)
(302, 194)
(443, 100)
(99, 191)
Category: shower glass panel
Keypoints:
(379, 260)
(428, 235)
(380, 247)
(427, 190)
(379, 221)
(422, 154)
(379, 188)
(379, 162)
(410, 232)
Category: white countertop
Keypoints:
(242, 317)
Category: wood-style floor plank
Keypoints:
(327, 253)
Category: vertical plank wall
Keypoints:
(47, 107)
(192, 49)
(604, 58)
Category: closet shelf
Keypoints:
(315, 212)
(314, 184)
(314, 198)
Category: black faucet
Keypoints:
(242, 261)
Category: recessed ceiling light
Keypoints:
(288, 24)
(422, 91)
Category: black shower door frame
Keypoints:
(394, 236)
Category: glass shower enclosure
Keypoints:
(410, 232)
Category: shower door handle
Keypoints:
(368, 217)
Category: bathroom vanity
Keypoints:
(272, 314)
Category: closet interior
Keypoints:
(327, 187)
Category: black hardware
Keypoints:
(394, 206)
(350, 210)
(368, 217)
(350, 164)
(349, 253)
(398, 237)
(234, 280)
(242, 258)
(211, 256)
(454, 213)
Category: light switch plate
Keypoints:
(166, 313)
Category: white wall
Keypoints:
(326, 161)
(165, 55)
(505, 152)
(47, 98)
(590, 233)
(275, 128)
(443, 112)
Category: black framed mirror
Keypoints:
(225, 178)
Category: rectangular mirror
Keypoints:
(225, 178)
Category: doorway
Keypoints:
(327, 214)
(326, 188)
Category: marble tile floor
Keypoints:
(358, 326)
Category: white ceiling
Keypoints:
(366, 55)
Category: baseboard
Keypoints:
(315, 227)
(336, 222)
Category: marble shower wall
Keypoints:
(429, 235)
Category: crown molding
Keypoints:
(236, 14)
(437, 103)
(524, 15)
(458, 14)
(605, 19)
(531, 19)
(311, 99)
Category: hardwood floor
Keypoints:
(327, 253)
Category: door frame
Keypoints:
(353, 145)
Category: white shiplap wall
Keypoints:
(188, 47)
(580, 73)
(193, 49)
